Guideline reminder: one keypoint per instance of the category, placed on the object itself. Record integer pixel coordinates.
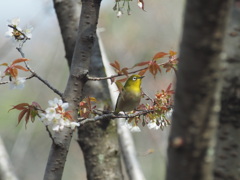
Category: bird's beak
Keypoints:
(141, 77)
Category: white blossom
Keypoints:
(28, 31)
(132, 127)
(140, 4)
(54, 116)
(72, 125)
(153, 125)
(168, 114)
(16, 33)
(17, 83)
(119, 13)
(135, 129)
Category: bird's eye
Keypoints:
(134, 78)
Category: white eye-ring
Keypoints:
(134, 78)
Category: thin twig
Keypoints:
(116, 75)
(24, 35)
(151, 99)
(34, 74)
(113, 116)
(50, 135)
(6, 82)
(37, 76)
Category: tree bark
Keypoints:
(99, 140)
(73, 92)
(197, 98)
(68, 14)
(228, 142)
(106, 144)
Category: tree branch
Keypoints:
(113, 116)
(37, 76)
(77, 79)
(117, 75)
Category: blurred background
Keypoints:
(128, 39)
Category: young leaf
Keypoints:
(124, 71)
(13, 72)
(154, 68)
(21, 68)
(142, 72)
(27, 117)
(22, 113)
(116, 65)
(142, 63)
(159, 55)
(20, 106)
(19, 60)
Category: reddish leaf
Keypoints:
(20, 60)
(68, 115)
(159, 55)
(142, 72)
(36, 105)
(142, 63)
(27, 117)
(124, 71)
(21, 68)
(154, 68)
(22, 113)
(169, 87)
(116, 65)
(83, 104)
(123, 79)
(13, 72)
(20, 106)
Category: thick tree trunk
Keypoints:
(228, 137)
(98, 141)
(68, 14)
(197, 98)
(73, 92)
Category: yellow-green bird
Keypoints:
(130, 96)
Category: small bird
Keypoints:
(130, 96)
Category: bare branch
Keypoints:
(34, 74)
(113, 116)
(117, 75)
(37, 76)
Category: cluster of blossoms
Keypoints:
(120, 7)
(17, 33)
(160, 112)
(156, 122)
(57, 117)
